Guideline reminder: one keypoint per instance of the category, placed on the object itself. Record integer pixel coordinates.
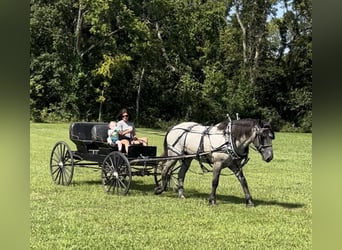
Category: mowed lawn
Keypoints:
(83, 216)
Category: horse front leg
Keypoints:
(181, 176)
(244, 185)
(214, 184)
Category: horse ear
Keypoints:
(268, 130)
(265, 123)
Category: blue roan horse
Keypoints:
(223, 145)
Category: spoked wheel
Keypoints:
(61, 164)
(171, 177)
(116, 173)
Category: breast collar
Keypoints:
(230, 146)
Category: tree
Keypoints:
(199, 60)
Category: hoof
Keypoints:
(212, 202)
(158, 190)
(181, 193)
(249, 204)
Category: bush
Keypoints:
(165, 125)
(306, 122)
(273, 116)
(52, 114)
(290, 127)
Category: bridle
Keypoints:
(260, 132)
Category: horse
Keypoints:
(225, 144)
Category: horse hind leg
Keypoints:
(181, 176)
(166, 167)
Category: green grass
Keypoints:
(83, 216)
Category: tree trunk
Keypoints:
(78, 28)
(244, 35)
(165, 55)
(138, 94)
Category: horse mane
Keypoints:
(222, 125)
(243, 126)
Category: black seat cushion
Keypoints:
(99, 133)
(81, 130)
(81, 134)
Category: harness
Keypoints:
(185, 131)
(229, 146)
(200, 150)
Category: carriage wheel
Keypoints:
(61, 164)
(116, 173)
(172, 177)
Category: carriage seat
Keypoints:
(81, 134)
(99, 133)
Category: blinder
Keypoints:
(263, 139)
(267, 132)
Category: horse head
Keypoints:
(263, 140)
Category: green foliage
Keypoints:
(111, 66)
(55, 114)
(82, 216)
(306, 122)
(201, 60)
(273, 116)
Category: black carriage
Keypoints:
(93, 151)
(117, 168)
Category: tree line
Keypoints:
(172, 60)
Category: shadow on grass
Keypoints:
(231, 199)
(136, 185)
(139, 186)
(87, 182)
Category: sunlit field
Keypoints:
(83, 216)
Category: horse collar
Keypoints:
(231, 148)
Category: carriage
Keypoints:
(225, 144)
(93, 151)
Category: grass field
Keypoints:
(83, 216)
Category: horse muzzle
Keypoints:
(267, 154)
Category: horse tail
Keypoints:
(165, 147)
(165, 154)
